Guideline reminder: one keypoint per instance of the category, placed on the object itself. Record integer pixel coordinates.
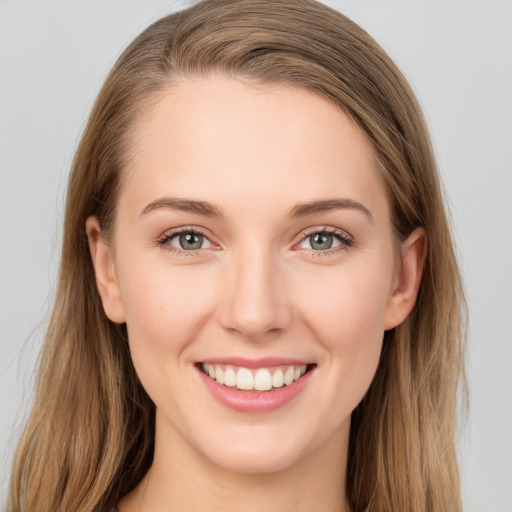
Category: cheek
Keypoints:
(165, 310)
(346, 316)
(348, 305)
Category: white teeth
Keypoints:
(230, 378)
(219, 375)
(244, 379)
(258, 380)
(262, 380)
(288, 376)
(278, 379)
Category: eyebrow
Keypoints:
(328, 205)
(184, 205)
(211, 210)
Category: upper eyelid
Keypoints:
(171, 233)
(324, 229)
(346, 240)
(164, 239)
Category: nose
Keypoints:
(256, 304)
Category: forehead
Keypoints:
(225, 140)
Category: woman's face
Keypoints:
(253, 241)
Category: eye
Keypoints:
(324, 240)
(190, 241)
(186, 240)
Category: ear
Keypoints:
(408, 279)
(104, 271)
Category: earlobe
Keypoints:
(104, 271)
(410, 271)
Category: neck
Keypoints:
(183, 479)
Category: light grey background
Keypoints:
(458, 57)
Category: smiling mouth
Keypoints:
(256, 379)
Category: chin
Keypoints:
(259, 463)
(256, 452)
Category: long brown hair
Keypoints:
(90, 437)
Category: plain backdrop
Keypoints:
(458, 58)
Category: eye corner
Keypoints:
(336, 239)
(171, 241)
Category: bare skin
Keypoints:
(252, 222)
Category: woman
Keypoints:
(259, 304)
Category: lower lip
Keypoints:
(252, 401)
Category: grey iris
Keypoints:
(321, 241)
(191, 241)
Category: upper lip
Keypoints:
(263, 362)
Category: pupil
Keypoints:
(191, 241)
(321, 241)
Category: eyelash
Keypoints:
(164, 240)
(346, 241)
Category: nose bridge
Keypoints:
(257, 304)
